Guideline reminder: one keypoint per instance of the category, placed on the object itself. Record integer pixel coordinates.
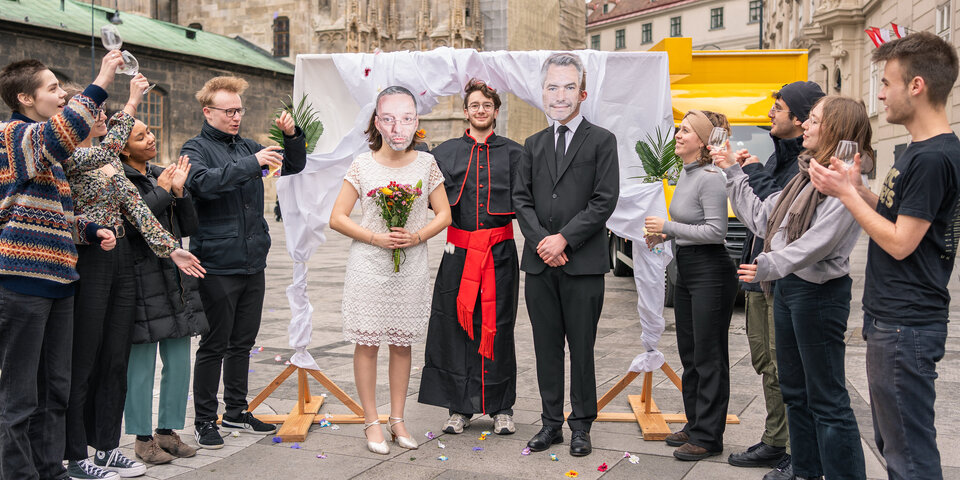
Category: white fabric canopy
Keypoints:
(627, 93)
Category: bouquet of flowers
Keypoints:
(395, 202)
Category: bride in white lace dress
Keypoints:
(380, 305)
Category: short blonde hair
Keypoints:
(230, 84)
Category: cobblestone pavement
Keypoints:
(468, 456)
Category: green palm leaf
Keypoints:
(304, 116)
(657, 158)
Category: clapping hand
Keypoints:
(165, 180)
(179, 176)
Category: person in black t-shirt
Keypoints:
(913, 225)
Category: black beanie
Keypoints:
(800, 97)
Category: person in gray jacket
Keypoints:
(808, 238)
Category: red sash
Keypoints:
(479, 275)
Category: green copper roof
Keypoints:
(138, 30)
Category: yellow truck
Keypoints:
(736, 83)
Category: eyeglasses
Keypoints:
(390, 121)
(776, 108)
(231, 112)
(475, 107)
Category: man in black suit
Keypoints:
(567, 187)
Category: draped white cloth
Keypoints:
(628, 93)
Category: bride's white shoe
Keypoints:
(380, 447)
(405, 442)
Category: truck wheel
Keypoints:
(620, 269)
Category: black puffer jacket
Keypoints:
(168, 301)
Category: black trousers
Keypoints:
(233, 305)
(103, 317)
(565, 309)
(705, 292)
(36, 336)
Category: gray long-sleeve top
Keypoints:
(821, 254)
(698, 208)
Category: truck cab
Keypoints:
(736, 83)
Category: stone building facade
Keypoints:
(839, 60)
(286, 28)
(637, 25)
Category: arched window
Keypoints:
(281, 37)
(152, 113)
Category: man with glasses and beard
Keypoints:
(233, 240)
(471, 364)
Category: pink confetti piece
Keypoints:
(277, 358)
(366, 72)
(423, 93)
(603, 467)
(626, 454)
(525, 451)
(287, 362)
(322, 455)
(430, 435)
(260, 349)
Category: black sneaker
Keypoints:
(759, 455)
(208, 435)
(114, 460)
(783, 470)
(247, 423)
(86, 470)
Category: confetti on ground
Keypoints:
(277, 358)
(626, 455)
(324, 423)
(634, 459)
(525, 451)
(334, 427)
(276, 439)
(295, 446)
(430, 435)
(477, 449)
(324, 395)
(442, 458)
(287, 362)
(603, 467)
(485, 432)
(440, 444)
(322, 455)
(572, 474)
(235, 434)
(483, 436)
(250, 371)
(260, 349)
(553, 456)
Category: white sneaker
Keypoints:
(456, 423)
(115, 460)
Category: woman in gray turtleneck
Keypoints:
(705, 290)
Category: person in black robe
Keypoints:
(471, 364)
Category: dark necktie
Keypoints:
(561, 145)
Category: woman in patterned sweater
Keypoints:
(104, 307)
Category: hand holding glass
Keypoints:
(846, 151)
(113, 41)
(718, 138)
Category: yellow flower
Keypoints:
(421, 133)
(386, 191)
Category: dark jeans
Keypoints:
(811, 321)
(233, 305)
(705, 291)
(901, 370)
(35, 345)
(103, 322)
(565, 309)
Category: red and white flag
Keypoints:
(879, 36)
(899, 31)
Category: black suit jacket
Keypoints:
(575, 201)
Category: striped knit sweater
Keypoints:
(38, 227)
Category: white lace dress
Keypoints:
(378, 304)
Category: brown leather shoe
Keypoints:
(172, 444)
(677, 439)
(691, 453)
(151, 453)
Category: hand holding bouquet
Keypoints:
(395, 202)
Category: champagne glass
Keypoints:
(112, 40)
(718, 138)
(845, 152)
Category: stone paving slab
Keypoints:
(251, 456)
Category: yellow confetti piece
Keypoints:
(572, 474)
